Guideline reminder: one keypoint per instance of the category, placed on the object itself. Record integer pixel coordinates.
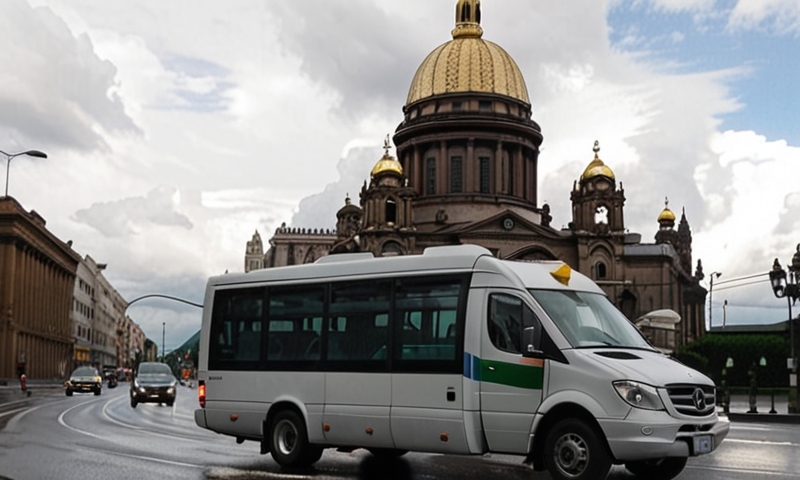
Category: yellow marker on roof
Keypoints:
(562, 274)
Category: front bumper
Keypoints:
(647, 435)
(83, 387)
(144, 395)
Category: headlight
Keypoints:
(170, 390)
(639, 395)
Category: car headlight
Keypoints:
(639, 395)
(170, 390)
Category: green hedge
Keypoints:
(710, 353)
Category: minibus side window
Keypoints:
(294, 329)
(507, 318)
(236, 328)
(358, 327)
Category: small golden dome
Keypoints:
(387, 163)
(596, 167)
(467, 63)
(666, 215)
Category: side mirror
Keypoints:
(530, 343)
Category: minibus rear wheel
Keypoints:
(573, 451)
(289, 446)
(662, 469)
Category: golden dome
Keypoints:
(467, 63)
(666, 215)
(596, 167)
(388, 163)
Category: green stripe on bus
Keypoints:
(513, 375)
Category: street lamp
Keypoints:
(789, 287)
(711, 297)
(9, 156)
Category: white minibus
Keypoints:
(451, 351)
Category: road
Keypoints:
(100, 437)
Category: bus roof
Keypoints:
(443, 259)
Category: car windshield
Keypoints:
(589, 319)
(84, 372)
(154, 369)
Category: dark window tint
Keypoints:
(508, 316)
(236, 328)
(358, 323)
(294, 331)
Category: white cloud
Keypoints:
(783, 15)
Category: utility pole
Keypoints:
(163, 349)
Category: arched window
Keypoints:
(600, 271)
(627, 304)
(391, 211)
(601, 215)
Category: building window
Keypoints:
(485, 106)
(430, 172)
(456, 175)
(391, 211)
(484, 174)
(600, 271)
(457, 106)
(601, 215)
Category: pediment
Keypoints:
(504, 223)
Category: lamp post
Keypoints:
(163, 332)
(789, 288)
(10, 156)
(711, 297)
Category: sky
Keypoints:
(175, 130)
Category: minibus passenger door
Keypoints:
(511, 385)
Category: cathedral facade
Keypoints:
(466, 172)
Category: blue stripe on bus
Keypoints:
(472, 367)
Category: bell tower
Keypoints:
(597, 204)
(388, 225)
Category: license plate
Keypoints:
(703, 444)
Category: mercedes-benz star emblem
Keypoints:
(699, 399)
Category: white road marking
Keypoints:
(741, 470)
(761, 442)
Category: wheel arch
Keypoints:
(551, 418)
(276, 407)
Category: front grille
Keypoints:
(693, 400)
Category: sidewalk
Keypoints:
(740, 406)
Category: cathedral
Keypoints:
(465, 172)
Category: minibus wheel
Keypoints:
(573, 451)
(289, 446)
(662, 469)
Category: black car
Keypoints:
(85, 379)
(154, 382)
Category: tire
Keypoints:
(171, 403)
(387, 452)
(134, 402)
(574, 451)
(662, 469)
(98, 391)
(69, 392)
(289, 441)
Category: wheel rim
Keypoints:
(571, 455)
(285, 437)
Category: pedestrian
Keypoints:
(23, 384)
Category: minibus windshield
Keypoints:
(589, 319)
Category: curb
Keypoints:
(764, 418)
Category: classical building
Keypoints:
(37, 277)
(466, 171)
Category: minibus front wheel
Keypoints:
(289, 446)
(574, 451)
